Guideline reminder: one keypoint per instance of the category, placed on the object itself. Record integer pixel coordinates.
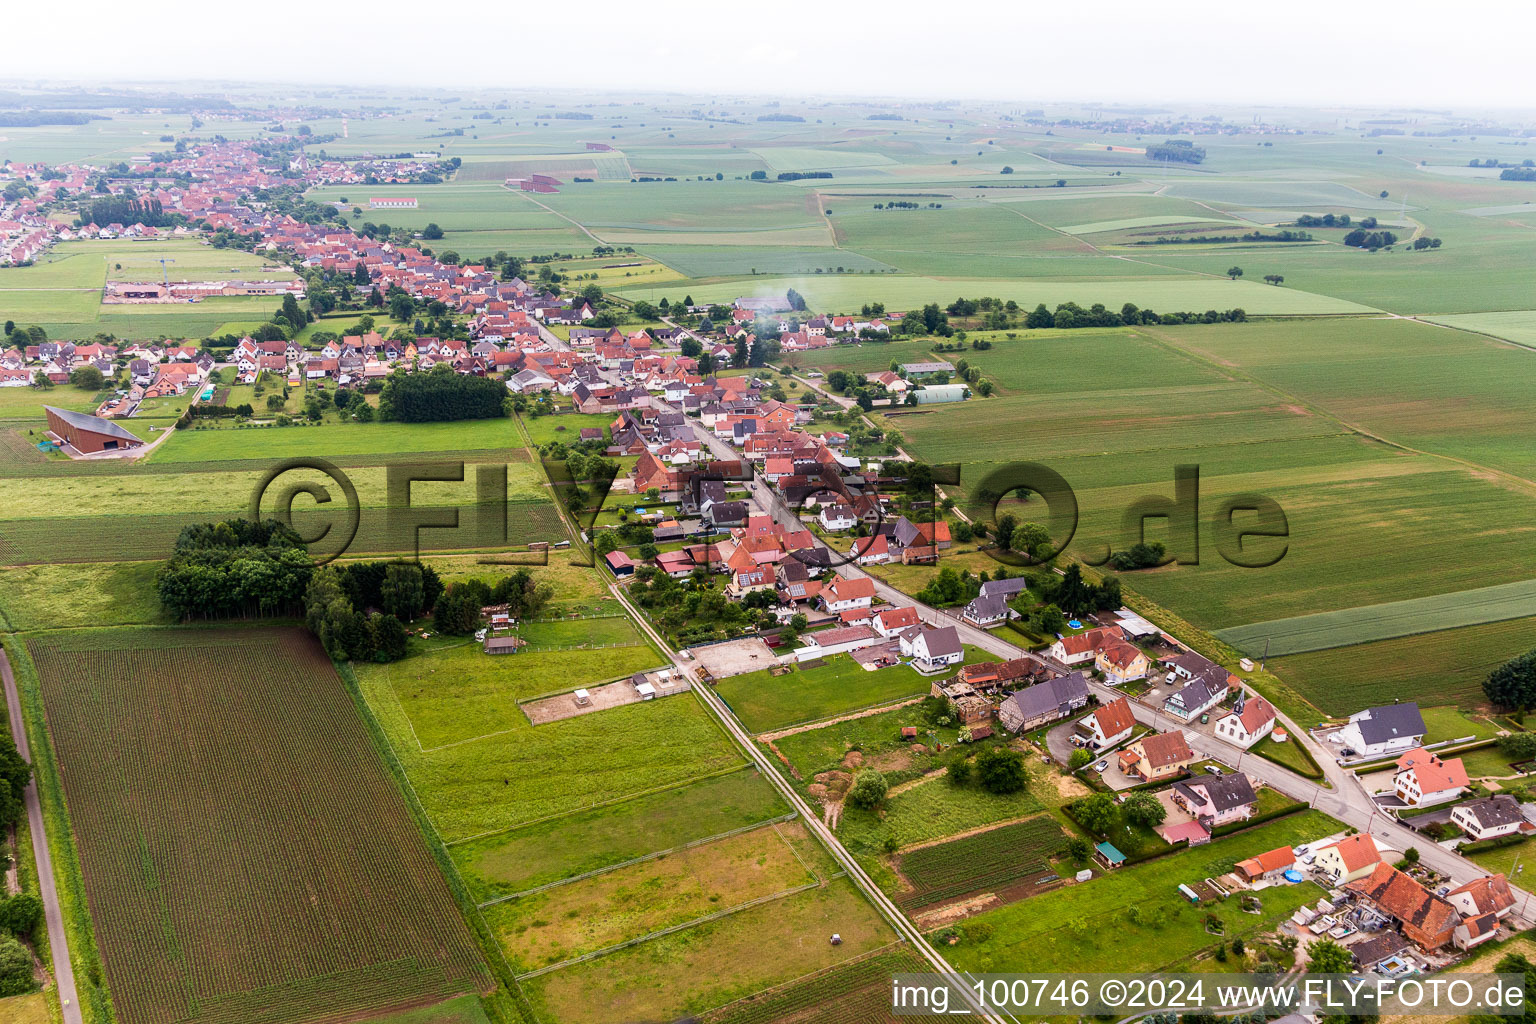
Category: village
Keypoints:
(744, 481)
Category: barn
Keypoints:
(87, 434)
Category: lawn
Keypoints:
(459, 693)
(1290, 754)
(764, 701)
(1135, 920)
(589, 840)
(930, 810)
(499, 772)
(817, 750)
(212, 888)
(80, 594)
(566, 427)
(1505, 859)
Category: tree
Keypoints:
(1144, 809)
(19, 914)
(1328, 957)
(1079, 849)
(1096, 813)
(432, 231)
(1079, 759)
(87, 378)
(1275, 279)
(387, 633)
(1520, 746)
(15, 968)
(458, 611)
(958, 771)
(1234, 272)
(402, 593)
(376, 298)
(869, 789)
(1001, 770)
(1513, 684)
(1411, 855)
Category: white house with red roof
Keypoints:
(1247, 724)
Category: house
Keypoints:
(1108, 724)
(1267, 866)
(1249, 721)
(726, 513)
(1121, 662)
(1074, 650)
(1198, 696)
(1042, 703)
(987, 610)
(1348, 859)
(619, 563)
(1474, 931)
(1490, 817)
(1389, 729)
(1216, 800)
(1159, 756)
(1487, 895)
(841, 640)
(88, 434)
(1423, 779)
(932, 649)
(1005, 587)
(750, 579)
(844, 593)
(1426, 920)
(836, 518)
(892, 621)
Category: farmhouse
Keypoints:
(1074, 650)
(1426, 920)
(1348, 859)
(1389, 729)
(88, 434)
(1045, 702)
(1158, 756)
(1487, 895)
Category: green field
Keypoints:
(764, 701)
(340, 439)
(266, 902)
(1384, 621)
(1135, 919)
(590, 840)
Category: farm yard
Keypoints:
(218, 896)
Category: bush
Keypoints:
(20, 914)
(869, 789)
(1001, 770)
(15, 968)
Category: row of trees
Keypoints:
(1070, 315)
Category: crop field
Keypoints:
(716, 962)
(218, 896)
(1368, 623)
(1303, 195)
(1449, 665)
(764, 701)
(1134, 919)
(1518, 326)
(79, 594)
(590, 840)
(929, 811)
(565, 922)
(847, 293)
(728, 261)
(996, 857)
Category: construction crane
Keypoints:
(165, 278)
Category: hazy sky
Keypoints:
(1316, 52)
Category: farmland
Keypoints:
(216, 895)
(997, 857)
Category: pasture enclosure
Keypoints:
(246, 857)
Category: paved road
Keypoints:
(891, 912)
(58, 943)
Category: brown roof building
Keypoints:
(1426, 920)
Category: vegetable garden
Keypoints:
(996, 857)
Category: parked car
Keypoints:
(1101, 766)
(1212, 769)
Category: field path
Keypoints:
(58, 942)
(578, 224)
